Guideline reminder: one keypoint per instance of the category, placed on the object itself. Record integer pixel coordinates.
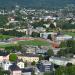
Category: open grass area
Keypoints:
(5, 36)
(35, 43)
(70, 33)
(6, 45)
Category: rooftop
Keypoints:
(45, 62)
(27, 70)
(60, 58)
(3, 53)
(14, 67)
(28, 55)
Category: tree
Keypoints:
(70, 43)
(71, 20)
(3, 20)
(9, 49)
(61, 52)
(25, 64)
(35, 34)
(69, 70)
(2, 72)
(69, 64)
(50, 52)
(68, 47)
(13, 33)
(33, 72)
(52, 25)
(38, 24)
(41, 57)
(13, 57)
(33, 63)
(68, 26)
(63, 44)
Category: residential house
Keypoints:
(27, 71)
(15, 70)
(30, 50)
(41, 51)
(4, 56)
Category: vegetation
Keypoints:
(13, 48)
(39, 24)
(5, 36)
(35, 34)
(25, 64)
(13, 33)
(52, 26)
(13, 57)
(70, 70)
(63, 44)
(7, 45)
(68, 26)
(34, 43)
(50, 52)
(67, 47)
(70, 33)
(41, 57)
(33, 63)
(4, 72)
(47, 73)
(62, 52)
(3, 20)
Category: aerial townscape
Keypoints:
(37, 41)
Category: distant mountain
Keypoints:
(36, 3)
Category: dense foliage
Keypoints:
(13, 57)
(67, 47)
(3, 20)
(70, 70)
(13, 33)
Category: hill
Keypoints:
(37, 3)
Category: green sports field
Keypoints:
(35, 43)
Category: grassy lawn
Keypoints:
(70, 33)
(31, 42)
(35, 43)
(6, 45)
(47, 73)
(5, 36)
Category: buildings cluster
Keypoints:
(28, 58)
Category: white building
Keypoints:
(20, 65)
(40, 29)
(23, 30)
(45, 35)
(63, 37)
(6, 65)
(47, 25)
(59, 61)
